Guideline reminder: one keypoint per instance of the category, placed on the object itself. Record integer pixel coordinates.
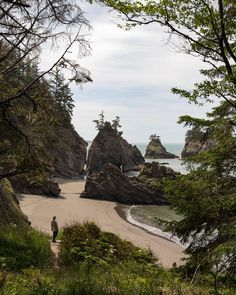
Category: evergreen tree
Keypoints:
(62, 95)
(116, 123)
(100, 122)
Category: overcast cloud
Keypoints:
(133, 73)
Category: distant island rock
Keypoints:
(110, 147)
(10, 212)
(195, 143)
(113, 185)
(155, 149)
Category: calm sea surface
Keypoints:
(174, 148)
(146, 216)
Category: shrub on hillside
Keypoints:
(86, 242)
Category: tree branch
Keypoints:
(40, 76)
(224, 37)
(17, 3)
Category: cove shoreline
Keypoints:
(71, 208)
(123, 210)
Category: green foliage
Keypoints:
(135, 274)
(86, 279)
(23, 247)
(86, 242)
(62, 95)
(102, 124)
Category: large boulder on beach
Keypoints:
(113, 185)
(195, 143)
(110, 147)
(155, 150)
(22, 185)
(68, 153)
(10, 212)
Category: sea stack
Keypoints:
(195, 143)
(155, 150)
(110, 147)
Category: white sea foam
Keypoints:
(152, 229)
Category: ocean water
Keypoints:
(146, 216)
(175, 148)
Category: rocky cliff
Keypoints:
(195, 144)
(9, 206)
(155, 150)
(66, 155)
(113, 185)
(69, 153)
(109, 147)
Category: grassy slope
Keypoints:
(92, 262)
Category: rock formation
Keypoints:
(66, 155)
(69, 153)
(195, 143)
(155, 150)
(109, 147)
(9, 206)
(113, 185)
(23, 186)
(155, 170)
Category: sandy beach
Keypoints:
(70, 207)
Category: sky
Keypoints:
(133, 73)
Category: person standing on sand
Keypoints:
(54, 227)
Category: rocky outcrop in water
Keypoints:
(68, 153)
(10, 212)
(109, 147)
(195, 143)
(155, 150)
(156, 170)
(113, 185)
